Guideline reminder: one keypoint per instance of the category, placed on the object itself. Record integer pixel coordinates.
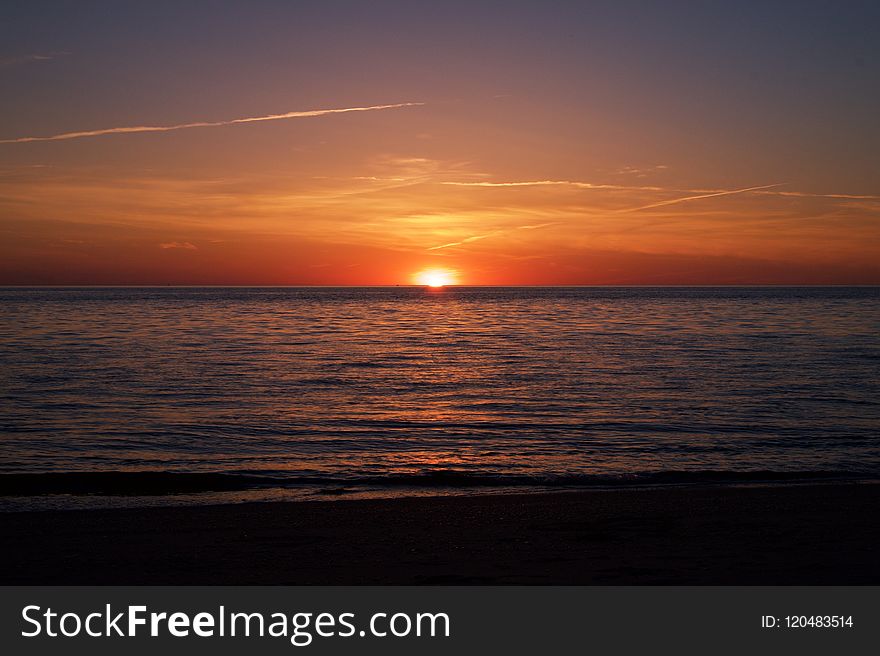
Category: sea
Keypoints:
(114, 396)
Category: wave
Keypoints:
(152, 483)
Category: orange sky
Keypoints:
(572, 179)
(380, 219)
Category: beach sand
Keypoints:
(808, 534)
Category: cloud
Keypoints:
(207, 124)
(17, 60)
(715, 194)
(641, 171)
(586, 185)
(468, 240)
(698, 193)
(548, 183)
(179, 244)
(802, 194)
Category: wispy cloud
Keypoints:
(693, 196)
(641, 171)
(179, 244)
(466, 240)
(17, 60)
(207, 124)
(803, 194)
(673, 201)
(548, 183)
(695, 193)
(494, 233)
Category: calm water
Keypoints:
(299, 391)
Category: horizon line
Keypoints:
(393, 286)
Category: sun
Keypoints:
(436, 277)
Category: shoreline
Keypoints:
(825, 533)
(94, 490)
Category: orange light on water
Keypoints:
(436, 277)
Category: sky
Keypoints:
(497, 143)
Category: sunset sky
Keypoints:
(500, 142)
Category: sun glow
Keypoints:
(436, 277)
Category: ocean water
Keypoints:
(120, 396)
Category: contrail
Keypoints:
(552, 182)
(468, 240)
(547, 183)
(207, 124)
(712, 195)
(697, 193)
(803, 194)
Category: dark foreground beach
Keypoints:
(806, 534)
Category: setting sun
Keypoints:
(435, 277)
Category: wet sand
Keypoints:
(811, 534)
